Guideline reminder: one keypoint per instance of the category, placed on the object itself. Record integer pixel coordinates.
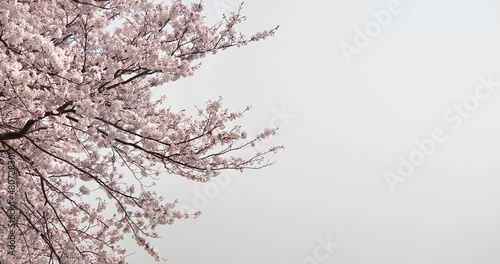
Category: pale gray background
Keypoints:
(351, 122)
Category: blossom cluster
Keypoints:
(76, 108)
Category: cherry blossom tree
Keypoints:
(79, 128)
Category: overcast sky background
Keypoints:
(344, 125)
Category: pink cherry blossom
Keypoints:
(76, 109)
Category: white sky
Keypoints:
(347, 126)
